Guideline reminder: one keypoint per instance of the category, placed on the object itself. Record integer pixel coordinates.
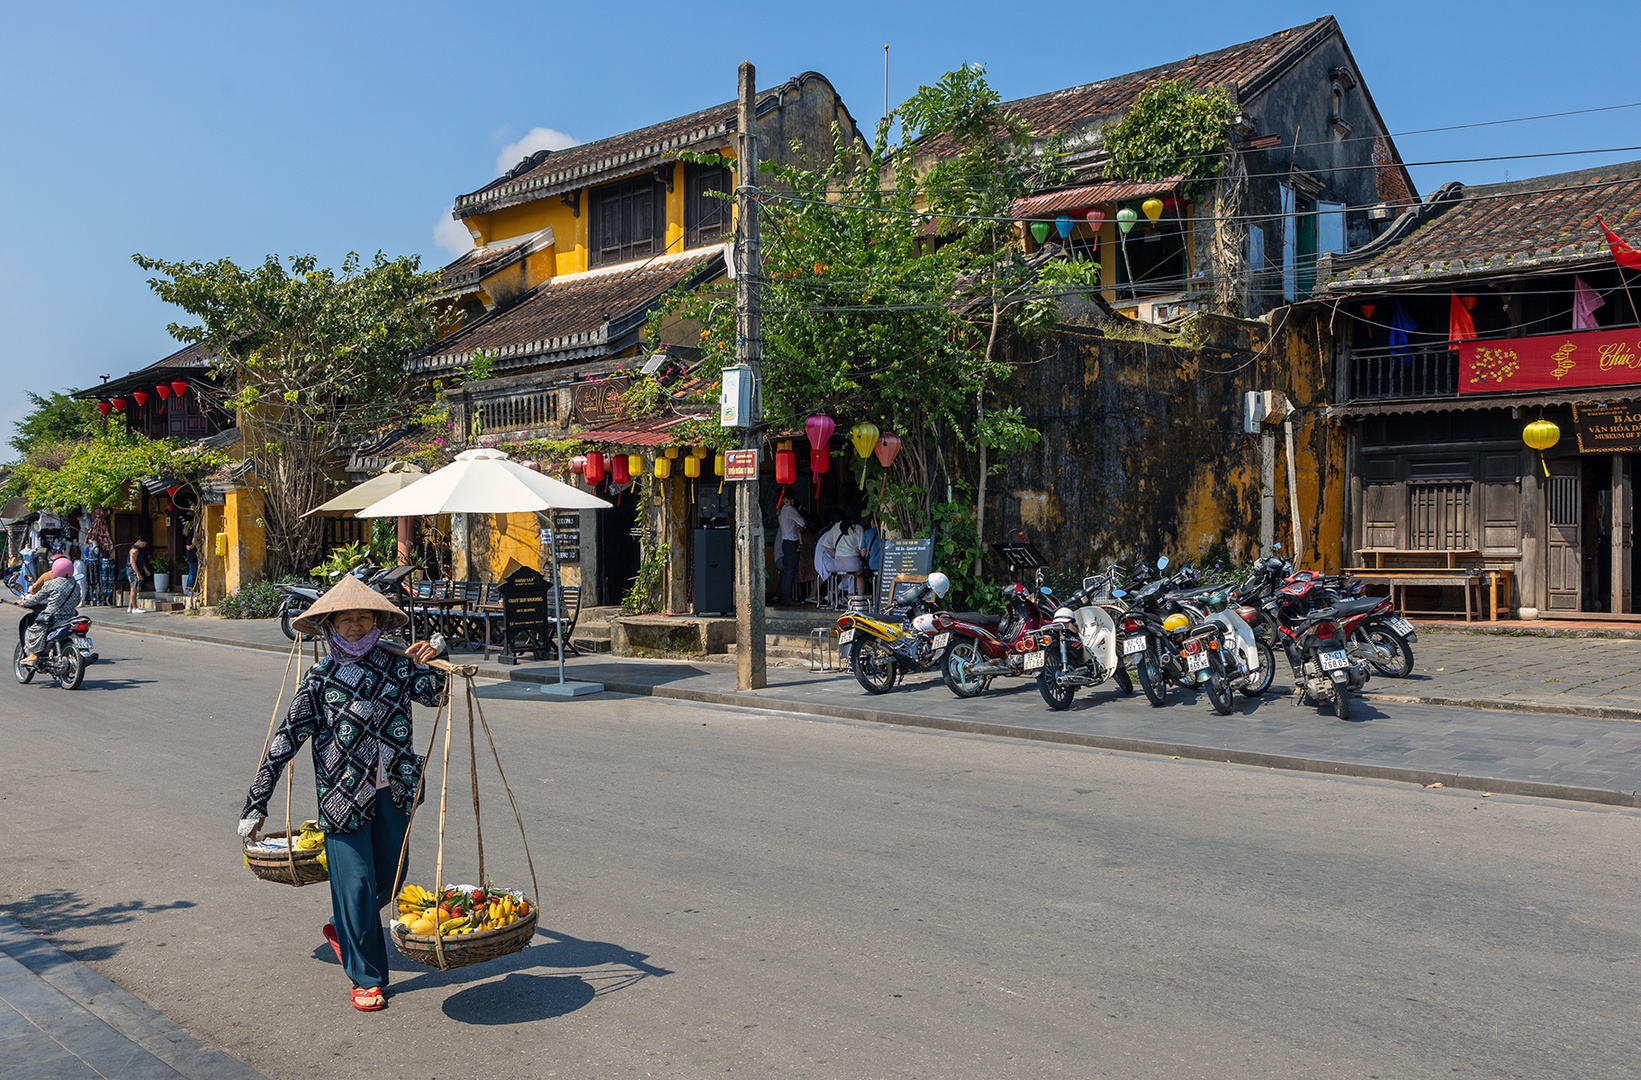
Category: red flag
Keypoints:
(1623, 254)
(1460, 326)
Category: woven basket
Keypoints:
(272, 867)
(461, 950)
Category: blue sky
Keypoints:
(198, 131)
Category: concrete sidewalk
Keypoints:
(59, 1020)
(1585, 747)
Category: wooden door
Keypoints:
(1564, 576)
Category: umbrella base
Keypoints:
(572, 688)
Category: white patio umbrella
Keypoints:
(489, 482)
(397, 476)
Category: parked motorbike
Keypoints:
(61, 656)
(1385, 640)
(1317, 645)
(299, 597)
(881, 651)
(1079, 647)
(985, 647)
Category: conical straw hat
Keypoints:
(350, 594)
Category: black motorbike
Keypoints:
(300, 597)
(60, 657)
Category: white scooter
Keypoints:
(1079, 647)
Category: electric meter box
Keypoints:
(736, 403)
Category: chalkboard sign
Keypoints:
(568, 529)
(902, 557)
(527, 612)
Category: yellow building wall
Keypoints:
(247, 542)
(514, 538)
(675, 210)
(569, 251)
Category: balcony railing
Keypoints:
(1416, 371)
(518, 412)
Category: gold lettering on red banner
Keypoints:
(1551, 361)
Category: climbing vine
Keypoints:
(1172, 130)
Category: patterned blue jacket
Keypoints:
(354, 713)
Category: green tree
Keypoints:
(1172, 130)
(97, 472)
(313, 359)
(57, 417)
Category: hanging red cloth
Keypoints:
(1623, 254)
(1460, 326)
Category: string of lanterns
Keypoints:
(177, 387)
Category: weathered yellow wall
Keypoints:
(675, 210)
(212, 567)
(247, 543)
(513, 538)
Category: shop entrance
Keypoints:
(1592, 559)
(619, 551)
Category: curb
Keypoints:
(126, 1014)
(1527, 629)
(755, 700)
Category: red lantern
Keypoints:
(887, 447)
(1367, 311)
(1094, 218)
(595, 467)
(171, 492)
(163, 390)
(140, 397)
(820, 460)
(618, 469)
(103, 407)
(786, 467)
(179, 387)
(119, 404)
(578, 464)
(819, 429)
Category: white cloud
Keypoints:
(537, 139)
(452, 235)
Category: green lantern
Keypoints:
(1126, 218)
(1039, 230)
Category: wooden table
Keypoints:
(1430, 559)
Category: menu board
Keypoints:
(902, 557)
(568, 530)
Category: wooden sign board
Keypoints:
(1607, 429)
(598, 401)
(740, 465)
(525, 600)
(902, 557)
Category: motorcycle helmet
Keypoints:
(1218, 601)
(1175, 623)
(924, 623)
(939, 583)
(61, 566)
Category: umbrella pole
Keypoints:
(558, 597)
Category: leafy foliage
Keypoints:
(1171, 130)
(96, 473)
(310, 355)
(258, 600)
(342, 560)
(54, 418)
(644, 597)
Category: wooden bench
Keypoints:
(1440, 568)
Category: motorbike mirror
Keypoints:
(1119, 593)
(1162, 563)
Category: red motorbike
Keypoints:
(985, 647)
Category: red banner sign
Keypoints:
(1551, 362)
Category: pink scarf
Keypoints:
(348, 652)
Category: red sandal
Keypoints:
(330, 935)
(369, 999)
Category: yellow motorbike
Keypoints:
(879, 651)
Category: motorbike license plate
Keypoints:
(82, 643)
(1035, 660)
(1400, 625)
(1131, 645)
(941, 640)
(1196, 661)
(1333, 661)
(845, 636)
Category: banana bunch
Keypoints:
(310, 838)
(458, 911)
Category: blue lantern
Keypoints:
(1064, 224)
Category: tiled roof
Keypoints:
(571, 317)
(465, 273)
(188, 358)
(642, 431)
(1078, 113)
(1542, 222)
(1052, 202)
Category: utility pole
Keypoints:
(751, 665)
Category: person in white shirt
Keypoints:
(791, 537)
(846, 551)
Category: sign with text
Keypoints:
(1607, 429)
(902, 557)
(740, 464)
(1551, 362)
(599, 401)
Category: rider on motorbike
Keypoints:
(55, 601)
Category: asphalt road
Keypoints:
(734, 892)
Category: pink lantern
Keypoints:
(1094, 218)
(887, 447)
(819, 428)
(578, 464)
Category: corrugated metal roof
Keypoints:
(1478, 402)
(1080, 198)
(654, 431)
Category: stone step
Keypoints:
(590, 644)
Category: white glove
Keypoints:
(250, 825)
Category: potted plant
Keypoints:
(162, 573)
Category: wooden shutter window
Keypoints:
(707, 217)
(623, 226)
(1442, 517)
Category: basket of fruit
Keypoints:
(461, 925)
(275, 857)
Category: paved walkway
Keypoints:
(59, 1020)
(1522, 734)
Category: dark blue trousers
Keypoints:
(362, 865)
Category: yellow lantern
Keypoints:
(663, 467)
(692, 466)
(700, 451)
(864, 436)
(1152, 208)
(672, 451)
(1541, 434)
(784, 444)
(635, 465)
(717, 464)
